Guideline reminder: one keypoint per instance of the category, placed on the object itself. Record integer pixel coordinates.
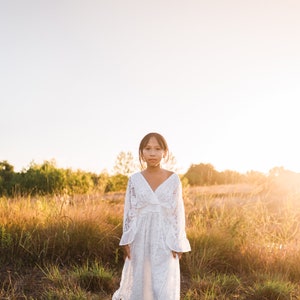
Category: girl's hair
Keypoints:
(161, 141)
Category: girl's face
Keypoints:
(153, 153)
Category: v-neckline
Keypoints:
(148, 184)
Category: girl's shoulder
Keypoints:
(135, 176)
(169, 173)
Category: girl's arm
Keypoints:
(129, 218)
(181, 243)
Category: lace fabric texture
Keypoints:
(153, 226)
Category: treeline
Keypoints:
(48, 179)
(205, 174)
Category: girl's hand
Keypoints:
(176, 253)
(127, 251)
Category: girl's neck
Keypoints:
(155, 169)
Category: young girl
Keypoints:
(154, 234)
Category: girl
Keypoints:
(154, 234)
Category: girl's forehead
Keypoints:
(153, 141)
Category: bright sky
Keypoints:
(81, 81)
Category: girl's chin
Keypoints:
(153, 164)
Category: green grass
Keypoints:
(90, 280)
(244, 246)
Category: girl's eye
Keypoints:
(149, 148)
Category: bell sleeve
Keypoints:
(176, 239)
(129, 218)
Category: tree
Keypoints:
(255, 177)
(124, 167)
(170, 164)
(229, 177)
(43, 179)
(6, 177)
(202, 174)
(125, 164)
(117, 183)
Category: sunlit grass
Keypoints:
(214, 286)
(90, 280)
(245, 245)
(41, 231)
(248, 236)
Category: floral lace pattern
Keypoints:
(153, 226)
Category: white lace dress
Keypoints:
(154, 225)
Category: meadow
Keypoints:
(244, 239)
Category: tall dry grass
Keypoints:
(244, 243)
(44, 230)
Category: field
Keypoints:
(244, 239)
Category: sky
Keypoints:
(82, 81)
